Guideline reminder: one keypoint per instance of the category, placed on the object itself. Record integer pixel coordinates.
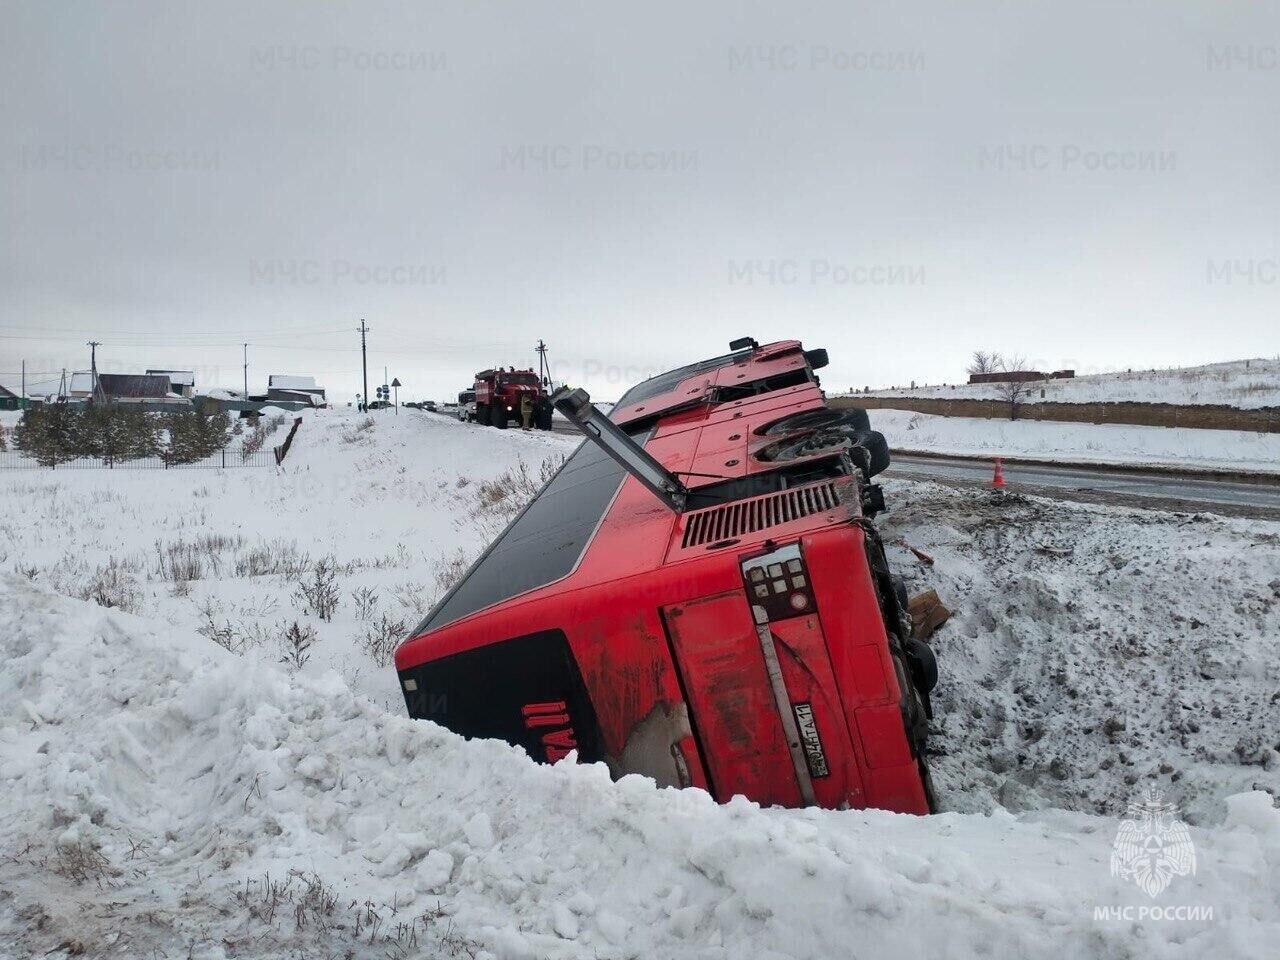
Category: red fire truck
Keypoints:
(698, 596)
(500, 392)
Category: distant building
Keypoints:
(288, 389)
(9, 400)
(81, 385)
(1007, 376)
(181, 382)
(150, 391)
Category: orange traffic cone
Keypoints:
(997, 478)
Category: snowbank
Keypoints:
(1176, 447)
(391, 499)
(163, 798)
(1246, 384)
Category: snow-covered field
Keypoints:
(391, 502)
(1247, 384)
(164, 796)
(1174, 447)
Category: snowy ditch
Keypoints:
(162, 793)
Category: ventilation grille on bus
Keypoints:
(748, 516)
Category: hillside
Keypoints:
(1247, 384)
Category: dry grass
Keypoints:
(382, 637)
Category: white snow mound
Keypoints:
(164, 798)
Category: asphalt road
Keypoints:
(1164, 490)
(1161, 490)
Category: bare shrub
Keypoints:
(451, 569)
(982, 362)
(508, 492)
(1012, 392)
(356, 432)
(224, 634)
(318, 592)
(495, 502)
(273, 557)
(366, 601)
(80, 863)
(112, 586)
(181, 560)
(254, 442)
(294, 566)
(414, 596)
(296, 644)
(382, 637)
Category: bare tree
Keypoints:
(1011, 391)
(982, 362)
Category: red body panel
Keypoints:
(664, 637)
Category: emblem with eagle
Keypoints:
(1152, 846)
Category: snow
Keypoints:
(390, 502)
(1246, 384)
(1175, 447)
(163, 796)
(191, 780)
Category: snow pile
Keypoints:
(1247, 384)
(165, 798)
(391, 502)
(1175, 447)
(1095, 651)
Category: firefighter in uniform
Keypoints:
(526, 410)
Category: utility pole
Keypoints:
(93, 366)
(246, 371)
(24, 379)
(543, 365)
(364, 363)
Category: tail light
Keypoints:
(778, 584)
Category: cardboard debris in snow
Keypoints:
(927, 614)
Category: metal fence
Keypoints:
(224, 459)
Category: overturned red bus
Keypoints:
(698, 596)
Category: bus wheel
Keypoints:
(853, 418)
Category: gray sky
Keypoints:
(1087, 184)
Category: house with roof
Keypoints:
(80, 386)
(10, 400)
(181, 382)
(290, 389)
(149, 391)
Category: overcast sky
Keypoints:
(1092, 185)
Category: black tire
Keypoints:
(878, 447)
(924, 667)
(498, 417)
(482, 413)
(915, 721)
(853, 418)
(810, 444)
